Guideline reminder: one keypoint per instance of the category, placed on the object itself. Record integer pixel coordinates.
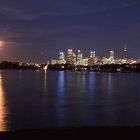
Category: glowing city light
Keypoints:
(78, 59)
(46, 67)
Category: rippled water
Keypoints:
(39, 99)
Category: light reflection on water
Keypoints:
(91, 84)
(61, 83)
(109, 83)
(3, 108)
(60, 98)
(45, 81)
(68, 99)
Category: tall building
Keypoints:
(62, 58)
(85, 62)
(79, 58)
(70, 52)
(71, 57)
(91, 59)
(125, 51)
(111, 58)
(92, 54)
(74, 58)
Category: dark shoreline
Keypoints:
(110, 68)
(121, 132)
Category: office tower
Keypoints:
(71, 57)
(92, 54)
(90, 61)
(70, 52)
(62, 58)
(91, 58)
(85, 62)
(111, 58)
(79, 58)
(74, 58)
(112, 55)
(125, 51)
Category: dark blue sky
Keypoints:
(37, 30)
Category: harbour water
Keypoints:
(56, 99)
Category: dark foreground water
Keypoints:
(31, 99)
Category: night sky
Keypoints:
(37, 30)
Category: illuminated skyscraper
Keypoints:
(91, 58)
(92, 54)
(74, 58)
(85, 62)
(111, 58)
(125, 51)
(70, 51)
(71, 57)
(62, 58)
(79, 58)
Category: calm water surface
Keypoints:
(38, 99)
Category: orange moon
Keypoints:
(0, 44)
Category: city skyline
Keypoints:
(78, 58)
(34, 31)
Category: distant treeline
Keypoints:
(19, 65)
(99, 68)
(96, 68)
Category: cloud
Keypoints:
(34, 9)
(23, 36)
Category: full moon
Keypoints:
(0, 44)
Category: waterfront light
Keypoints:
(46, 67)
